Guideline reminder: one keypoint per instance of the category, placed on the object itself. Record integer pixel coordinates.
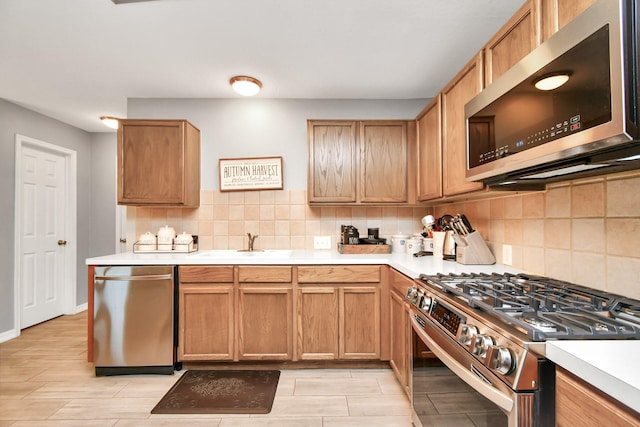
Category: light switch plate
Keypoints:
(507, 254)
(321, 242)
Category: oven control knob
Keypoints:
(483, 342)
(503, 360)
(411, 291)
(425, 303)
(417, 297)
(467, 332)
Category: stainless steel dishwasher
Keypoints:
(133, 320)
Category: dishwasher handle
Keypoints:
(127, 278)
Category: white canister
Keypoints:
(183, 241)
(427, 244)
(399, 243)
(166, 235)
(147, 242)
(413, 245)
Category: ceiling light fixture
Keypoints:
(551, 81)
(245, 85)
(109, 121)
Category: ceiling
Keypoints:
(75, 60)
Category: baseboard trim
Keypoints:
(9, 335)
(80, 308)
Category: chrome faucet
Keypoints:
(251, 240)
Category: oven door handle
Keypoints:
(487, 390)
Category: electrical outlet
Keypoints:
(321, 242)
(507, 254)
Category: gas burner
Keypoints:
(539, 323)
(543, 307)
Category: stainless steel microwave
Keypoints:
(517, 133)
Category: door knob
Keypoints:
(62, 242)
(123, 240)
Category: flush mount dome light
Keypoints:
(111, 122)
(245, 85)
(551, 81)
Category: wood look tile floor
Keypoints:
(45, 381)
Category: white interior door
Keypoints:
(43, 258)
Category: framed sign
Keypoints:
(250, 173)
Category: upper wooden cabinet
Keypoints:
(158, 163)
(514, 41)
(384, 164)
(354, 162)
(455, 95)
(555, 14)
(332, 161)
(430, 151)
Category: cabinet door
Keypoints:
(265, 324)
(158, 163)
(332, 161)
(360, 323)
(465, 86)
(514, 41)
(399, 359)
(205, 322)
(317, 323)
(384, 165)
(430, 152)
(555, 14)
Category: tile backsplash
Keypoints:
(282, 220)
(586, 232)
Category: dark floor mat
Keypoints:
(220, 392)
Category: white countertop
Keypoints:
(405, 263)
(608, 365)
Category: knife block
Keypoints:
(472, 249)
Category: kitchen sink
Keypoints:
(232, 253)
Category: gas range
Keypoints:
(543, 308)
(501, 321)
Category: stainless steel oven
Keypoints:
(443, 390)
(489, 331)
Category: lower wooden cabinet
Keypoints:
(339, 312)
(400, 329)
(580, 404)
(317, 323)
(265, 323)
(359, 320)
(206, 325)
(338, 323)
(232, 313)
(206, 307)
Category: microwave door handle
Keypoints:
(487, 390)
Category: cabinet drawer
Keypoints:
(206, 274)
(339, 274)
(399, 282)
(264, 274)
